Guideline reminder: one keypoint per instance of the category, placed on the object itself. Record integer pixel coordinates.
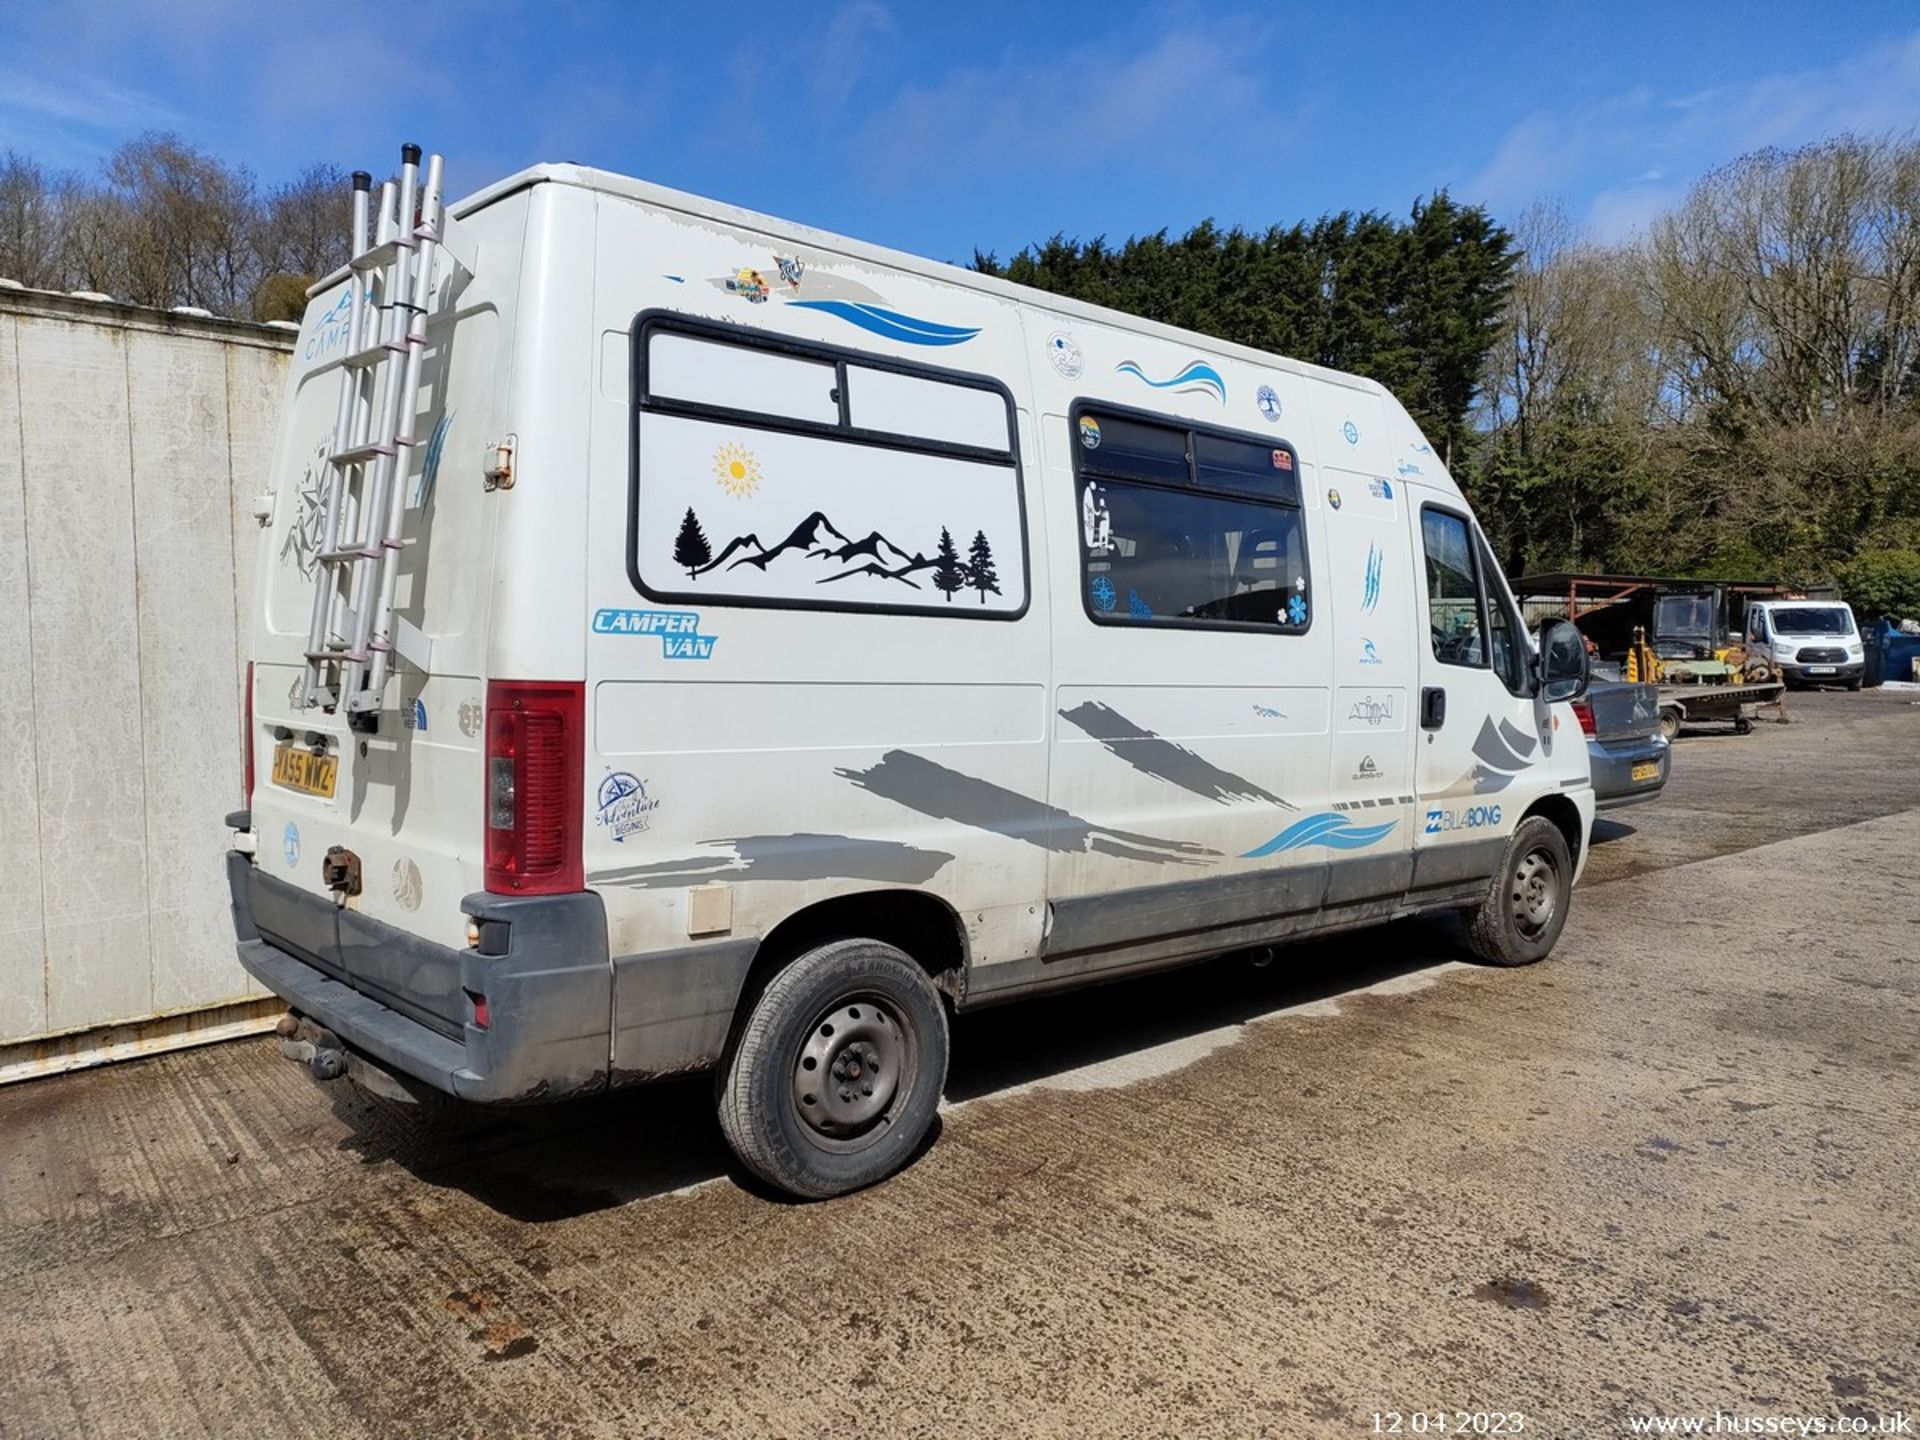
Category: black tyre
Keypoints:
(838, 1071)
(1854, 684)
(1526, 903)
(1670, 723)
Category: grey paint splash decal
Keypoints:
(920, 784)
(1491, 746)
(1161, 758)
(1502, 751)
(789, 857)
(1518, 740)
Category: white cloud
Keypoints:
(1171, 104)
(1616, 151)
(63, 118)
(845, 50)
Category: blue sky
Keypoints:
(939, 128)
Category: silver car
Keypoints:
(1629, 755)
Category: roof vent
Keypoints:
(193, 310)
(6, 284)
(91, 295)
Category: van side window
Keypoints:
(1187, 527)
(1453, 590)
(701, 372)
(1505, 629)
(777, 472)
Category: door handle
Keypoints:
(1433, 707)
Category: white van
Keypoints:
(790, 641)
(1810, 642)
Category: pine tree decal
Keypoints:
(980, 572)
(949, 574)
(692, 549)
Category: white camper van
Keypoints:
(689, 641)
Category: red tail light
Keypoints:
(1583, 712)
(246, 743)
(536, 747)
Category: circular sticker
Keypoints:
(290, 844)
(1065, 355)
(1333, 498)
(1089, 432)
(1352, 432)
(1268, 399)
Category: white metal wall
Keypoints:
(132, 443)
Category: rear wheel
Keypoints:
(1526, 903)
(838, 1072)
(1670, 722)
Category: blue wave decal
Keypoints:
(1198, 376)
(891, 323)
(430, 469)
(1336, 832)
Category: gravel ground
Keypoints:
(1670, 1171)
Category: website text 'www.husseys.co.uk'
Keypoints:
(1722, 1422)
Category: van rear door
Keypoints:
(403, 796)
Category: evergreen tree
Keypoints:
(949, 574)
(691, 548)
(980, 572)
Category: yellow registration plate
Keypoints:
(1645, 770)
(306, 772)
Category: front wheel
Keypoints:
(837, 1075)
(1526, 903)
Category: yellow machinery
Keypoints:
(1730, 665)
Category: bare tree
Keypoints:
(30, 222)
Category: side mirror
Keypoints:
(1564, 667)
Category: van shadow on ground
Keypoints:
(546, 1163)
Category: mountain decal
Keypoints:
(818, 539)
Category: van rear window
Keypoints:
(736, 377)
(776, 472)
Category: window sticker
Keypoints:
(1089, 432)
(1096, 522)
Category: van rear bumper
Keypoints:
(542, 964)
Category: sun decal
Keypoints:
(736, 469)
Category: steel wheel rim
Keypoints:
(1534, 893)
(854, 1072)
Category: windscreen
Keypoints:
(1683, 615)
(1813, 620)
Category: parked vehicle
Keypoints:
(1626, 749)
(1811, 642)
(685, 640)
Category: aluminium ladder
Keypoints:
(391, 282)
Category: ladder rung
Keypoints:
(322, 656)
(334, 557)
(360, 454)
(382, 255)
(366, 359)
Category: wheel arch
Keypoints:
(1565, 816)
(920, 925)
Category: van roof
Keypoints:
(664, 198)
